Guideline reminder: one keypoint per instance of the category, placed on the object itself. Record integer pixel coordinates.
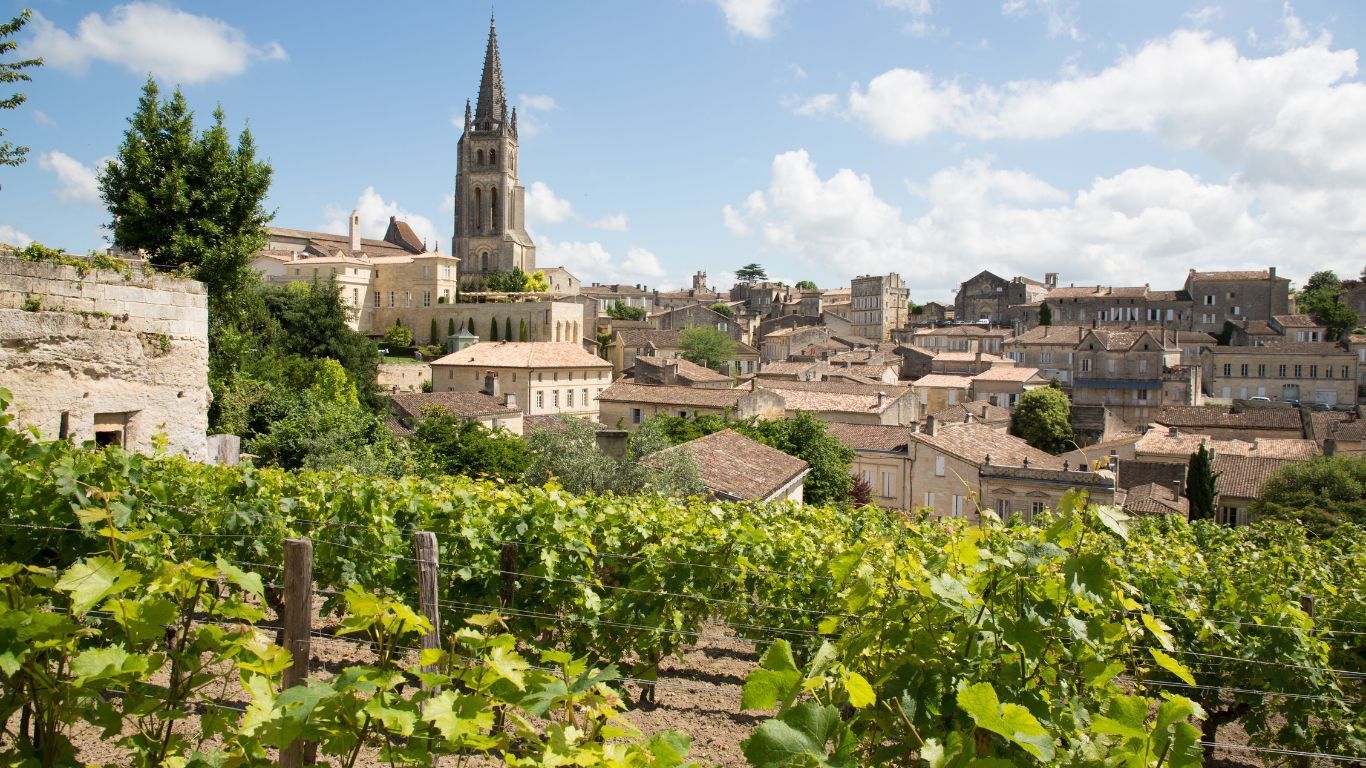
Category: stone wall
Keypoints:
(125, 357)
(408, 377)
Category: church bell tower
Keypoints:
(490, 202)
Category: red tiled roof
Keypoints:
(732, 465)
(1243, 476)
(524, 354)
(871, 437)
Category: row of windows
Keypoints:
(568, 398)
(1244, 370)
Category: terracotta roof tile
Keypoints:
(687, 371)
(662, 394)
(1155, 499)
(463, 405)
(1007, 373)
(1243, 476)
(982, 410)
(1245, 275)
(1068, 335)
(524, 354)
(871, 437)
(1193, 417)
(1159, 442)
(839, 396)
(732, 465)
(943, 381)
(1296, 321)
(974, 442)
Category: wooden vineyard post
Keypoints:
(424, 544)
(297, 620)
(1307, 604)
(507, 563)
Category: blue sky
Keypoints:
(1116, 143)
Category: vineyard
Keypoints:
(143, 595)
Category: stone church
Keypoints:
(490, 201)
(403, 280)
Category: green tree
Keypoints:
(450, 327)
(1043, 418)
(569, 455)
(751, 273)
(432, 338)
(807, 438)
(706, 346)
(536, 282)
(618, 311)
(1200, 485)
(722, 308)
(521, 330)
(1324, 494)
(470, 327)
(13, 72)
(313, 321)
(398, 336)
(507, 329)
(806, 285)
(1045, 314)
(681, 429)
(445, 445)
(1324, 281)
(188, 202)
(493, 329)
(1321, 299)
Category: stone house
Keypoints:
(1247, 295)
(627, 405)
(931, 313)
(962, 468)
(1003, 386)
(938, 391)
(697, 316)
(967, 363)
(784, 343)
(1316, 372)
(493, 413)
(656, 369)
(628, 343)
(1172, 444)
(882, 458)
(960, 338)
(878, 305)
(545, 377)
(979, 411)
(845, 401)
(1238, 483)
(1105, 305)
(1221, 423)
(105, 357)
(1048, 348)
(987, 296)
(1123, 370)
(794, 370)
(733, 467)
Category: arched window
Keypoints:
(478, 209)
(480, 156)
(493, 157)
(494, 221)
(484, 261)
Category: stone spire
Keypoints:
(492, 104)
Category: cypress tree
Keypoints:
(493, 329)
(507, 329)
(1045, 314)
(470, 327)
(450, 327)
(521, 332)
(432, 339)
(1200, 488)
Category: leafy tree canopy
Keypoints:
(1321, 300)
(806, 285)
(1323, 494)
(722, 308)
(193, 203)
(13, 72)
(618, 311)
(751, 273)
(445, 445)
(1043, 418)
(569, 455)
(398, 336)
(706, 346)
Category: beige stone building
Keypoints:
(1311, 372)
(877, 305)
(960, 469)
(845, 401)
(733, 467)
(938, 391)
(628, 343)
(544, 377)
(1128, 372)
(1173, 444)
(1238, 483)
(882, 458)
(961, 338)
(103, 357)
(1248, 295)
(626, 405)
(1048, 348)
(1003, 386)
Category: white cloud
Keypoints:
(150, 37)
(11, 236)
(915, 7)
(796, 71)
(751, 18)
(374, 218)
(1143, 225)
(529, 122)
(536, 102)
(1062, 16)
(1293, 31)
(77, 183)
(591, 262)
(543, 206)
(1203, 17)
(42, 118)
(614, 223)
(1293, 117)
(820, 104)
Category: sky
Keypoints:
(1113, 143)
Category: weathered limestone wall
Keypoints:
(405, 376)
(127, 357)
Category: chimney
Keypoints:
(931, 426)
(1330, 446)
(355, 230)
(669, 372)
(1173, 432)
(881, 400)
(613, 442)
(1271, 272)
(491, 386)
(725, 368)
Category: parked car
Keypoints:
(1260, 399)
